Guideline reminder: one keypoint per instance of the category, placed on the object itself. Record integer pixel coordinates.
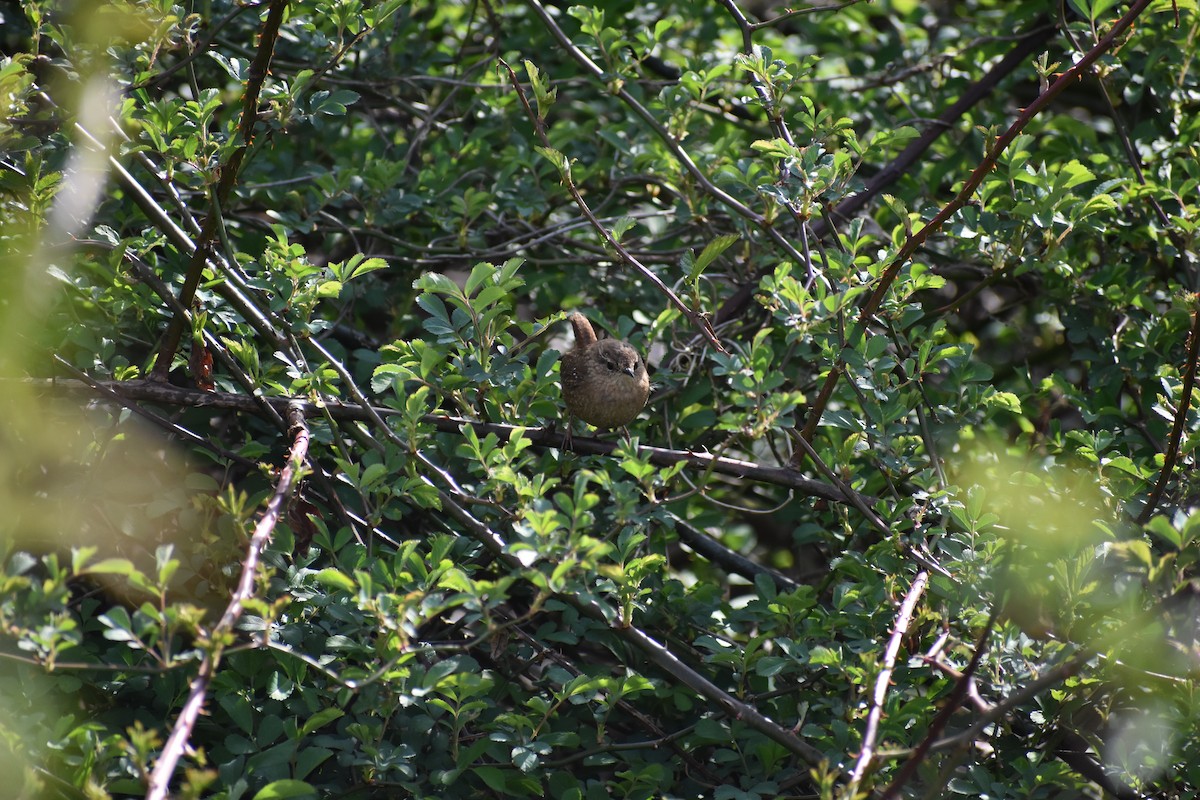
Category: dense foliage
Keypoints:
(911, 511)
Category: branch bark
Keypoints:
(916, 239)
(160, 777)
(167, 394)
(228, 177)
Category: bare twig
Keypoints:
(796, 12)
(857, 500)
(160, 777)
(903, 618)
(779, 125)
(1069, 745)
(166, 424)
(1030, 690)
(178, 236)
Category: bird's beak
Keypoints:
(631, 372)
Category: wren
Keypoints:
(604, 382)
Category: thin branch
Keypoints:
(903, 618)
(663, 134)
(796, 12)
(857, 500)
(160, 777)
(196, 51)
(214, 343)
(774, 110)
(178, 236)
(228, 178)
(918, 238)
(1027, 692)
(1073, 752)
(1026, 46)
(168, 394)
(1185, 402)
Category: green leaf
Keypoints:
(320, 719)
(79, 558)
(1163, 529)
(285, 789)
(332, 578)
(622, 226)
(494, 777)
(1006, 401)
(329, 289)
(710, 253)
(373, 475)
(113, 566)
(556, 158)
(438, 283)
(369, 265)
(480, 273)
(824, 656)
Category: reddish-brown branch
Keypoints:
(892, 172)
(916, 239)
(168, 394)
(1185, 402)
(160, 777)
(225, 183)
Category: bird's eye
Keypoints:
(608, 362)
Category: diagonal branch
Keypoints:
(228, 178)
(669, 141)
(895, 169)
(1185, 401)
(654, 650)
(916, 239)
(160, 777)
(903, 618)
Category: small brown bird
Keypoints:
(604, 382)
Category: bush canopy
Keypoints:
(289, 506)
